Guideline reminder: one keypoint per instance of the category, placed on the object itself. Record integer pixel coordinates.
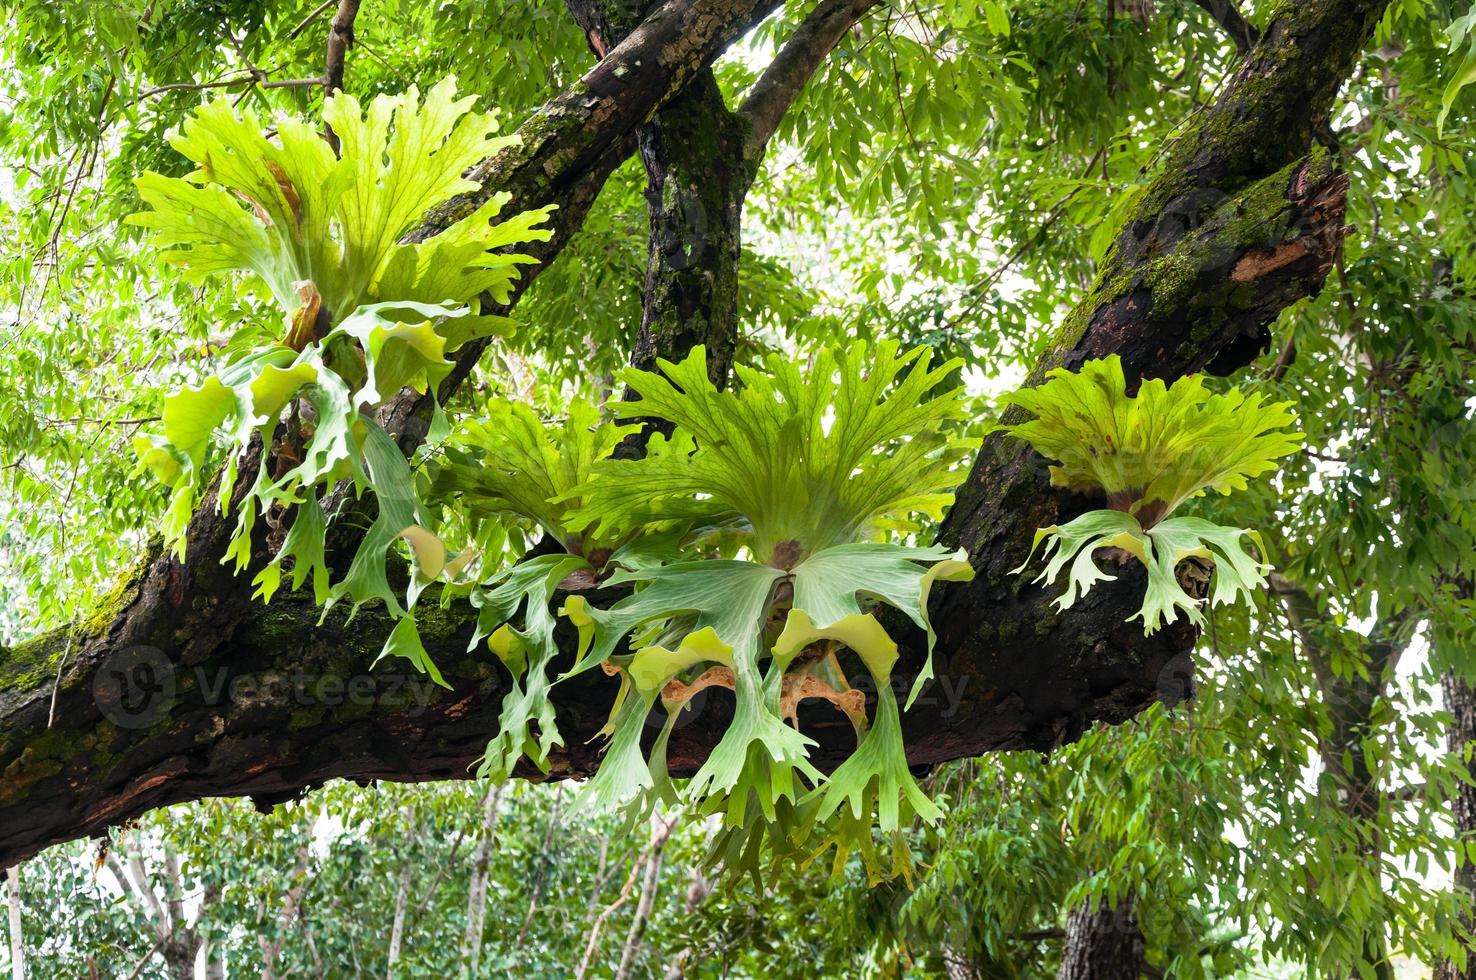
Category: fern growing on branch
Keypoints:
(1148, 453)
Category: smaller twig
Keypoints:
(303, 24)
(1242, 32)
(56, 685)
(1285, 358)
(227, 83)
(158, 945)
(340, 39)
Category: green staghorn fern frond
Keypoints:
(510, 462)
(322, 231)
(366, 317)
(1148, 453)
(1152, 451)
(803, 472)
(807, 460)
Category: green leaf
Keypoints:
(1160, 548)
(808, 460)
(399, 352)
(1159, 447)
(528, 654)
(829, 584)
(511, 462)
(1465, 73)
(997, 16)
(625, 777)
(287, 210)
(387, 471)
(404, 641)
(304, 547)
(758, 756)
(732, 597)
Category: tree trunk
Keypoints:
(696, 179)
(397, 930)
(1238, 225)
(544, 859)
(1102, 943)
(17, 940)
(592, 941)
(291, 903)
(1460, 701)
(660, 834)
(697, 175)
(1351, 703)
(476, 901)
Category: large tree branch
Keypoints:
(785, 77)
(1237, 225)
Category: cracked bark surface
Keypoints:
(1102, 943)
(1240, 223)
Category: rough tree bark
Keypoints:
(1239, 224)
(1460, 701)
(1102, 943)
(696, 179)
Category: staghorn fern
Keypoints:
(801, 478)
(364, 316)
(1148, 453)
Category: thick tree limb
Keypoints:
(1102, 942)
(785, 77)
(1238, 225)
(340, 39)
